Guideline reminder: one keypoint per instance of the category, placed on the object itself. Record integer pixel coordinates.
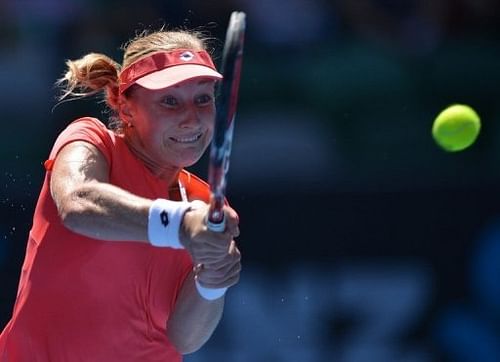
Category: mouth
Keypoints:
(187, 139)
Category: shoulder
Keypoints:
(87, 129)
(90, 123)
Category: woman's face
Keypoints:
(172, 127)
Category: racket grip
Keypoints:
(218, 226)
(216, 220)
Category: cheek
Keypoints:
(208, 118)
(150, 123)
(210, 133)
(209, 129)
(150, 131)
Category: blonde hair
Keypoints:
(97, 73)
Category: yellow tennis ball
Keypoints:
(456, 127)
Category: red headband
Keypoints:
(164, 69)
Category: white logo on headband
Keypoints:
(186, 56)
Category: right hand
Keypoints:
(205, 246)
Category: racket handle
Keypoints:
(218, 226)
(216, 221)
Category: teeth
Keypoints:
(187, 139)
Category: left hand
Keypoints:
(223, 272)
(215, 254)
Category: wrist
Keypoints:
(209, 293)
(164, 222)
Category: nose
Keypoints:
(190, 118)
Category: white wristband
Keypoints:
(165, 218)
(210, 293)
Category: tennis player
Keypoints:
(120, 265)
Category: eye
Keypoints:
(204, 99)
(170, 101)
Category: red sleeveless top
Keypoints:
(83, 299)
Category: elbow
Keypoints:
(71, 210)
(69, 218)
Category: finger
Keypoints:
(224, 262)
(231, 218)
(230, 232)
(231, 214)
(218, 283)
(211, 261)
(210, 243)
(198, 204)
(212, 273)
(220, 248)
(235, 232)
(233, 248)
(232, 222)
(230, 269)
(216, 258)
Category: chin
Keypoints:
(189, 161)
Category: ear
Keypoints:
(125, 111)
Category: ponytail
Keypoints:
(89, 75)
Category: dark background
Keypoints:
(334, 170)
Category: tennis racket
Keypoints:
(226, 102)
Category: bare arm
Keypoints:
(88, 204)
(194, 318)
